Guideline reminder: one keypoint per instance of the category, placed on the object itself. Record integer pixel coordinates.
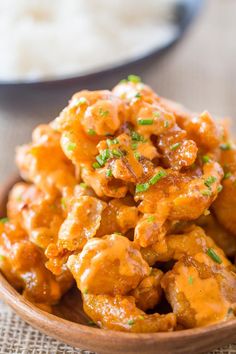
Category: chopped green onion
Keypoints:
(142, 187)
(166, 124)
(117, 153)
(109, 173)
(4, 220)
(211, 253)
(91, 132)
(175, 146)
(206, 193)
(123, 81)
(63, 203)
(136, 136)
(134, 146)
(227, 175)
(156, 114)
(85, 291)
(190, 280)
(103, 113)
(137, 155)
(130, 322)
(157, 177)
(219, 188)
(112, 142)
(100, 160)
(151, 218)
(137, 95)
(96, 165)
(205, 158)
(71, 147)
(83, 185)
(209, 181)
(225, 146)
(134, 78)
(145, 121)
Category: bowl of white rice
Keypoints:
(57, 40)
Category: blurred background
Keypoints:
(185, 50)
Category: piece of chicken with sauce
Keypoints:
(109, 265)
(22, 262)
(200, 290)
(40, 214)
(174, 247)
(44, 163)
(120, 313)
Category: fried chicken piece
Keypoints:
(121, 314)
(81, 224)
(120, 215)
(148, 293)
(176, 246)
(225, 204)
(182, 196)
(200, 290)
(39, 214)
(44, 163)
(22, 263)
(110, 265)
(224, 239)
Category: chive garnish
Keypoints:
(103, 113)
(71, 147)
(175, 146)
(85, 291)
(227, 175)
(134, 146)
(96, 165)
(205, 159)
(112, 142)
(219, 188)
(206, 193)
(130, 322)
(91, 132)
(145, 121)
(117, 153)
(83, 185)
(151, 218)
(136, 136)
(225, 146)
(166, 124)
(209, 181)
(137, 95)
(134, 78)
(142, 187)
(4, 220)
(156, 114)
(137, 155)
(157, 177)
(190, 280)
(109, 173)
(211, 253)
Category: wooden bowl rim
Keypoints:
(41, 319)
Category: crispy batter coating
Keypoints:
(120, 313)
(39, 214)
(110, 265)
(44, 163)
(22, 263)
(200, 291)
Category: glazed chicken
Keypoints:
(129, 197)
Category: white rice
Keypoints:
(55, 38)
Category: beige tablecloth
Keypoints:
(200, 72)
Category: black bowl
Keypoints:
(48, 96)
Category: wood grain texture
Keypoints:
(69, 324)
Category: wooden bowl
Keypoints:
(69, 324)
